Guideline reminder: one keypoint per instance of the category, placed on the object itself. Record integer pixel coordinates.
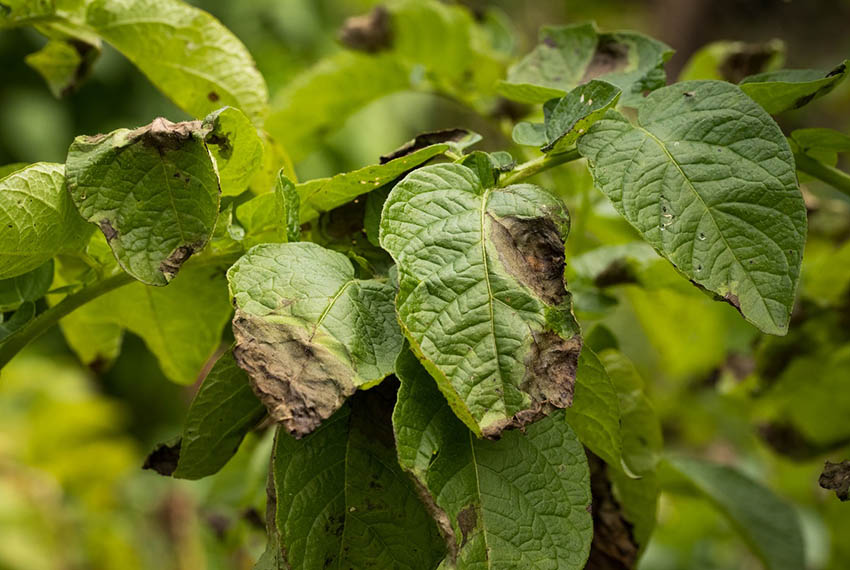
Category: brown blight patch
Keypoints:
(300, 382)
(163, 459)
(370, 32)
(164, 135)
(425, 140)
(610, 56)
(836, 477)
(467, 519)
(172, 264)
(532, 251)
(613, 546)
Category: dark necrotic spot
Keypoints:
(532, 251)
(213, 96)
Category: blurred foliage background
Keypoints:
(73, 438)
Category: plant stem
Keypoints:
(832, 176)
(51, 316)
(72, 302)
(538, 165)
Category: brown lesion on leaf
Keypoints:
(550, 378)
(614, 546)
(171, 264)
(108, 231)
(164, 458)
(467, 519)
(370, 32)
(748, 60)
(532, 251)
(610, 56)
(425, 140)
(300, 382)
(551, 369)
(164, 135)
(836, 477)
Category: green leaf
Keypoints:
(768, 524)
(8, 169)
(18, 12)
(343, 501)
(595, 413)
(236, 147)
(811, 392)
(19, 319)
(181, 324)
(704, 176)
(642, 446)
(568, 56)
(223, 411)
(321, 99)
(521, 501)
(786, 89)
(188, 54)
(569, 117)
(307, 332)
(153, 192)
(25, 288)
(733, 61)
(63, 64)
(37, 219)
(821, 139)
(288, 206)
(481, 293)
(324, 194)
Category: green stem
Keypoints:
(832, 176)
(536, 166)
(51, 316)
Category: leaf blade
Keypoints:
(706, 159)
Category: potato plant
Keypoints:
(408, 327)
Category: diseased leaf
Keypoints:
(153, 192)
(614, 544)
(342, 500)
(223, 411)
(637, 490)
(25, 288)
(237, 148)
(481, 293)
(786, 89)
(181, 324)
(64, 64)
(308, 332)
(705, 176)
(188, 54)
(568, 118)
(521, 501)
(595, 413)
(37, 219)
(733, 61)
(768, 524)
(568, 56)
(324, 194)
